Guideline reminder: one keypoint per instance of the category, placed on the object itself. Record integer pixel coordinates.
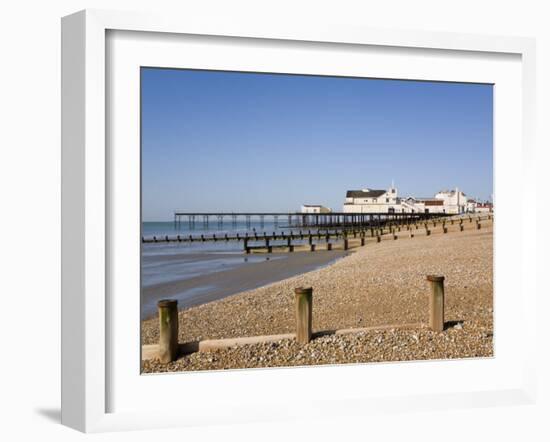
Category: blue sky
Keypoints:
(227, 141)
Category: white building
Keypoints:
(372, 201)
(315, 208)
(387, 201)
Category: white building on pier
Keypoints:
(315, 208)
(387, 201)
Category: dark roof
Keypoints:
(362, 194)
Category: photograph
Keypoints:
(293, 220)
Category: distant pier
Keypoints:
(297, 219)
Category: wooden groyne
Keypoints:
(324, 239)
(169, 349)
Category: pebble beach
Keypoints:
(377, 285)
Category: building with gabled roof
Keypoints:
(386, 201)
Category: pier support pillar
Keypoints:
(304, 310)
(168, 326)
(346, 245)
(462, 228)
(437, 303)
(362, 240)
(312, 247)
(329, 246)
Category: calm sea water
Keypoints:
(164, 262)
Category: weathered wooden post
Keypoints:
(312, 247)
(394, 236)
(437, 303)
(462, 227)
(346, 244)
(378, 238)
(329, 246)
(411, 234)
(168, 330)
(444, 229)
(478, 225)
(304, 309)
(428, 232)
(362, 241)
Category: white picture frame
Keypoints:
(87, 204)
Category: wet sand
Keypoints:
(214, 286)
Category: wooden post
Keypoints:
(345, 244)
(168, 326)
(478, 225)
(437, 303)
(362, 240)
(394, 236)
(411, 235)
(329, 246)
(312, 247)
(462, 228)
(245, 245)
(378, 238)
(428, 232)
(304, 308)
(444, 229)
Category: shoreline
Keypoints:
(202, 289)
(379, 284)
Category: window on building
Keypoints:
(374, 200)
(387, 200)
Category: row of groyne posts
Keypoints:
(169, 348)
(250, 241)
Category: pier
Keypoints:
(297, 219)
